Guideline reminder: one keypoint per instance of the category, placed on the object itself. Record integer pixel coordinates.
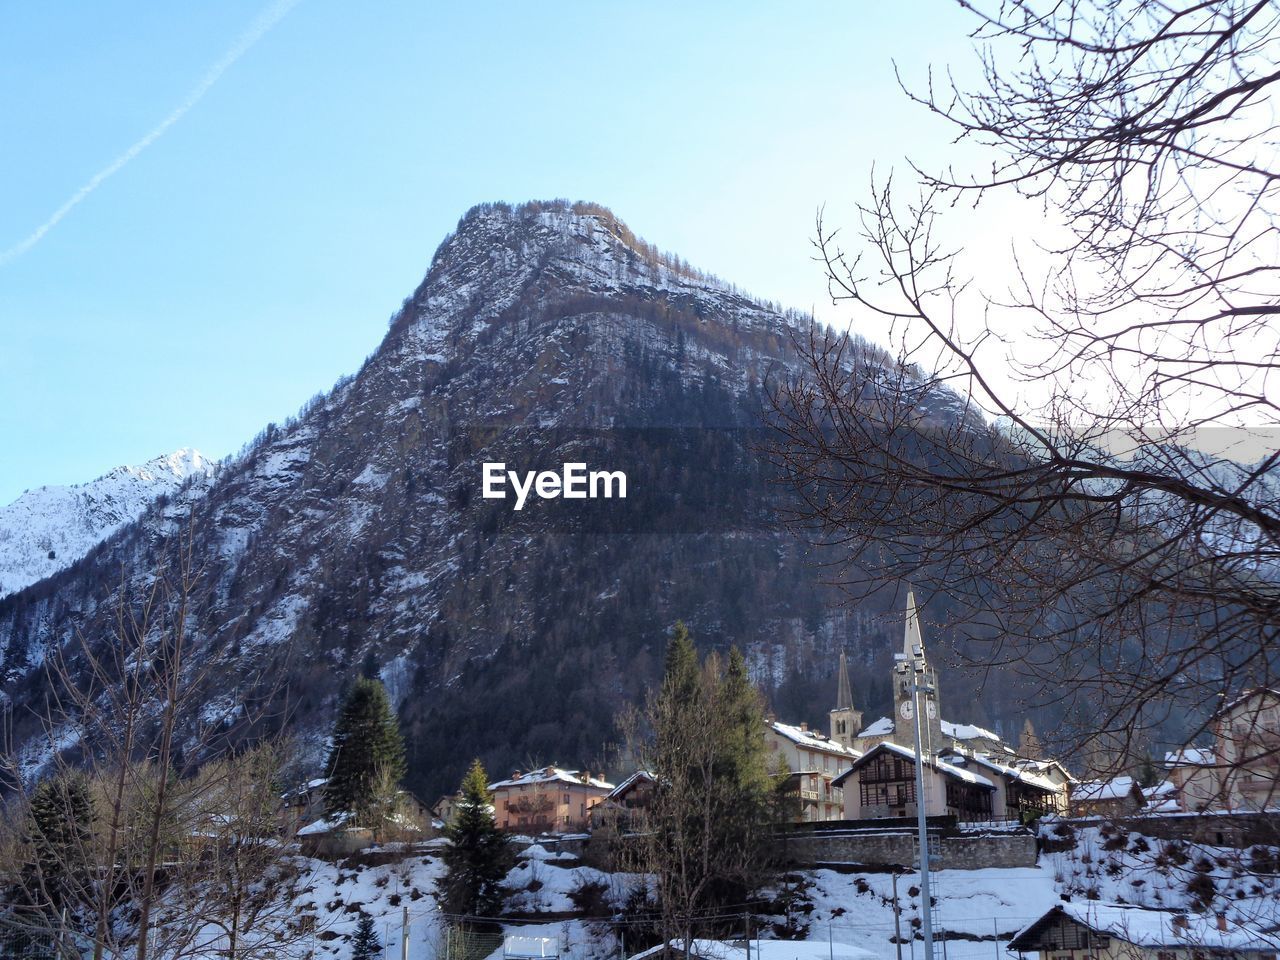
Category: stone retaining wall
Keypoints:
(1217, 829)
(893, 848)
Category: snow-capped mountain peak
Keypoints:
(51, 527)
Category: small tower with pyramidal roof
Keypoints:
(845, 720)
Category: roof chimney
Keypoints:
(515, 775)
(804, 726)
(1222, 921)
(1179, 924)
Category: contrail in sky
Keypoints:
(265, 20)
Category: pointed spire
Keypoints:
(912, 639)
(844, 695)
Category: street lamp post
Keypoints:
(918, 685)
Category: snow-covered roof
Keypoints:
(1022, 776)
(1042, 766)
(764, 950)
(881, 728)
(959, 731)
(813, 740)
(631, 781)
(968, 776)
(1247, 696)
(1113, 789)
(1162, 798)
(1147, 927)
(552, 775)
(324, 825)
(1191, 757)
(967, 731)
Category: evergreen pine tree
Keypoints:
(365, 945)
(367, 756)
(478, 856)
(746, 762)
(742, 773)
(714, 796)
(60, 827)
(681, 678)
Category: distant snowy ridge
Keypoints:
(48, 529)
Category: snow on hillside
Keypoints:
(49, 528)
(977, 911)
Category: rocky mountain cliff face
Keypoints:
(355, 537)
(47, 529)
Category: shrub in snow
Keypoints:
(1264, 859)
(591, 897)
(1117, 841)
(1201, 889)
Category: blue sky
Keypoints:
(253, 252)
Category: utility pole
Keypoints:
(404, 934)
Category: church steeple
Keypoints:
(913, 653)
(845, 721)
(844, 696)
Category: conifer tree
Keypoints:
(367, 756)
(365, 945)
(681, 689)
(746, 761)
(60, 829)
(478, 856)
(712, 800)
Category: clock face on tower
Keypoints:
(931, 709)
(907, 710)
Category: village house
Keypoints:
(1240, 772)
(1247, 740)
(408, 819)
(1051, 771)
(547, 800)
(814, 759)
(882, 783)
(1022, 795)
(442, 810)
(1117, 797)
(627, 805)
(302, 805)
(1092, 930)
(1192, 773)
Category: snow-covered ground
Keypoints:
(978, 911)
(49, 528)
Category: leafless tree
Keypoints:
(1086, 462)
(174, 791)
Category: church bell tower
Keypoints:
(845, 721)
(911, 668)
